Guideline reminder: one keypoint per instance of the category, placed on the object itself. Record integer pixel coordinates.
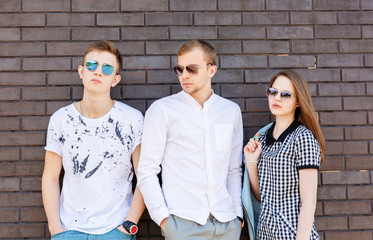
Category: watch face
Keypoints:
(133, 229)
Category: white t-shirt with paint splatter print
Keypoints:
(96, 156)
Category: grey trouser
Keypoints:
(181, 229)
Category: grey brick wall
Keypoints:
(329, 41)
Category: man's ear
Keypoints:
(213, 70)
(116, 80)
(80, 71)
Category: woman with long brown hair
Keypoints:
(283, 162)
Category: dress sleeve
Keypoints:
(308, 151)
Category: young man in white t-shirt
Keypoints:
(94, 141)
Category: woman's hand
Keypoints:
(252, 150)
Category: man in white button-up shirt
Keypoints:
(196, 137)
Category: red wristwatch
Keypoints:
(130, 227)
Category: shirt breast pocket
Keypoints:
(223, 136)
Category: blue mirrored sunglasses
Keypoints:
(92, 65)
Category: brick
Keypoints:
(66, 48)
(343, 118)
(22, 108)
(345, 60)
(21, 49)
(96, 33)
(332, 163)
(133, 77)
(9, 94)
(9, 215)
(21, 200)
(369, 60)
(144, 33)
(366, 5)
(356, 46)
(221, 18)
(10, 184)
(31, 184)
(150, 91)
(226, 47)
(359, 162)
(348, 235)
(21, 169)
(33, 215)
(261, 76)
(22, 20)
(321, 75)
(347, 208)
(291, 61)
(255, 119)
(331, 223)
(333, 133)
(45, 34)
(95, 6)
(9, 154)
(168, 19)
(260, 18)
(35, 123)
(337, 32)
(315, 46)
(341, 89)
(40, 93)
(192, 5)
(336, 5)
(188, 33)
(367, 31)
(166, 76)
(347, 147)
(9, 124)
(356, 133)
(130, 48)
(22, 231)
(32, 153)
(241, 5)
(144, 5)
(23, 79)
(269, 47)
(303, 32)
(46, 64)
(257, 105)
(355, 18)
(10, 64)
(289, 5)
(71, 19)
(360, 192)
(21, 138)
(331, 193)
(10, 34)
(64, 78)
(120, 19)
(315, 18)
(139, 105)
(325, 104)
(243, 61)
(243, 90)
(228, 76)
(241, 32)
(46, 6)
(162, 48)
(350, 177)
(319, 210)
(54, 106)
(10, 6)
(146, 62)
(361, 222)
(353, 75)
(370, 115)
(358, 103)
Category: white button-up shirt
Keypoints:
(200, 151)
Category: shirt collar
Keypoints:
(195, 103)
(270, 139)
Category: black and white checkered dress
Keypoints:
(278, 167)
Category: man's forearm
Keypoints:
(137, 207)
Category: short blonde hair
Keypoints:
(208, 50)
(105, 46)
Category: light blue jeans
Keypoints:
(114, 234)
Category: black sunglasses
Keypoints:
(192, 69)
(272, 92)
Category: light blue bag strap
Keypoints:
(251, 205)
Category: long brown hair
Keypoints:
(305, 113)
